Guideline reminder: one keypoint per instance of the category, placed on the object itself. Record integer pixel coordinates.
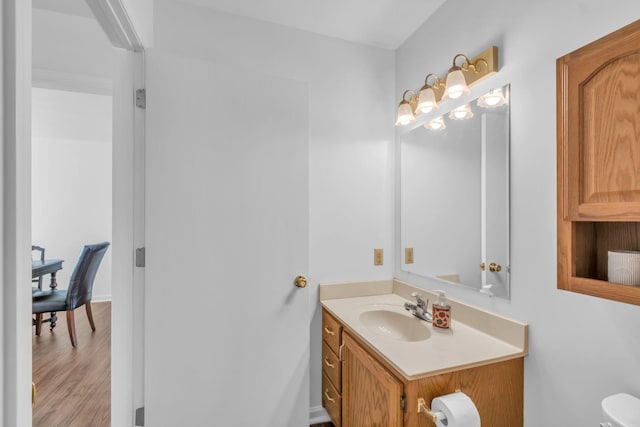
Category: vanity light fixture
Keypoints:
(427, 99)
(493, 99)
(463, 112)
(456, 84)
(406, 108)
(436, 124)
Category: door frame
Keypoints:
(15, 214)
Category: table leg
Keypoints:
(53, 285)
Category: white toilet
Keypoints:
(621, 410)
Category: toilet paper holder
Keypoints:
(435, 416)
(422, 407)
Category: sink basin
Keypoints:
(395, 325)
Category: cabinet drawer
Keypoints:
(331, 331)
(331, 366)
(332, 401)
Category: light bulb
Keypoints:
(405, 114)
(494, 98)
(435, 124)
(427, 101)
(461, 113)
(456, 85)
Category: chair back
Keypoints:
(84, 273)
(40, 250)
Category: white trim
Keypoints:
(15, 176)
(114, 20)
(60, 80)
(100, 298)
(139, 174)
(122, 236)
(318, 415)
(16, 215)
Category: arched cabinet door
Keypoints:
(598, 108)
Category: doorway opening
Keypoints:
(71, 188)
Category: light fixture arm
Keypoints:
(437, 82)
(469, 65)
(404, 95)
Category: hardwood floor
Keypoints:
(74, 384)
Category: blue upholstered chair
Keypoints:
(78, 293)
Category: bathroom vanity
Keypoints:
(378, 359)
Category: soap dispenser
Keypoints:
(441, 312)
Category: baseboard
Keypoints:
(318, 415)
(100, 298)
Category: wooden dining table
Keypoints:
(41, 268)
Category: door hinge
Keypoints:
(141, 98)
(140, 257)
(140, 417)
(403, 402)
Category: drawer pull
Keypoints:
(329, 331)
(326, 394)
(326, 362)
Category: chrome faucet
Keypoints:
(420, 308)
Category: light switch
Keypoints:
(377, 257)
(408, 255)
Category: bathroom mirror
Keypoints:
(455, 196)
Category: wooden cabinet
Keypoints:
(373, 393)
(332, 367)
(598, 162)
(372, 396)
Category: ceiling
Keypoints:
(381, 23)
(69, 7)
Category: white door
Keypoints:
(495, 141)
(226, 330)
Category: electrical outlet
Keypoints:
(408, 255)
(377, 257)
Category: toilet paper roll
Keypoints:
(458, 410)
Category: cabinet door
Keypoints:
(371, 395)
(599, 129)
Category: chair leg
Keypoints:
(71, 324)
(38, 323)
(53, 319)
(90, 315)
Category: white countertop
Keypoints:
(463, 346)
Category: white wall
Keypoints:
(141, 15)
(70, 52)
(71, 179)
(351, 109)
(581, 348)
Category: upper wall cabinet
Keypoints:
(598, 95)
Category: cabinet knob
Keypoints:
(482, 266)
(495, 267)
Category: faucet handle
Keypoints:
(421, 302)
